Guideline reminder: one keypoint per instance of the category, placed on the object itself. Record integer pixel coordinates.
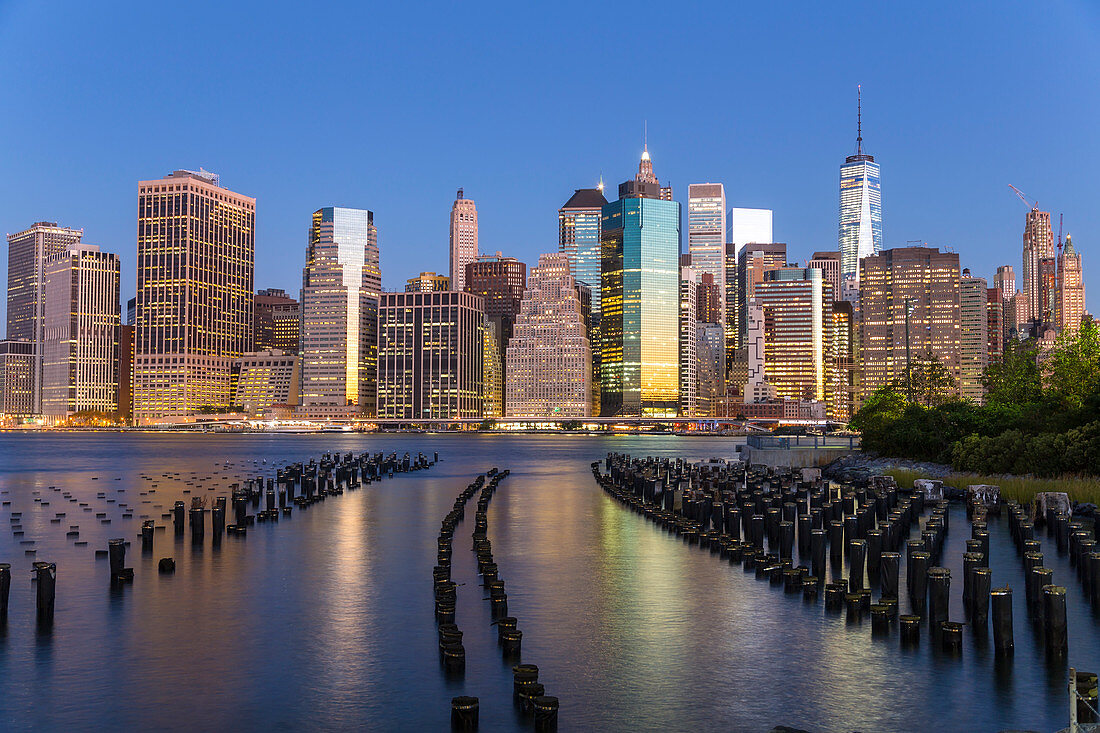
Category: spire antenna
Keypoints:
(859, 119)
(645, 135)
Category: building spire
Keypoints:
(859, 119)
(645, 165)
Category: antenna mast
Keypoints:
(859, 119)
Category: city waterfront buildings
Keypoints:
(973, 336)
(842, 375)
(263, 379)
(923, 283)
(710, 360)
(707, 230)
(640, 294)
(277, 318)
(689, 343)
(464, 245)
(549, 358)
(430, 355)
(125, 398)
(753, 260)
(797, 305)
(80, 325)
(195, 257)
(1070, 305)
(341, 285)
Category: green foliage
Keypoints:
(928, 381)
(1040, 417)
(571, 425)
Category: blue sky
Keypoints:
(392, 106)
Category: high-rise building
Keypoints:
(923, 281)
(341, 284)
(710, 360)
(1048, 290)
(973, 336)
(1070, 306)
(28, 251)
(860, 207)
(579, 237)
(1015, 318)
(707, 230)
(756, 387)
(995, 328)
(747, 226)
(17, 364)
(797, 305)
(640, 299)
(500, 281)
(1005, 281)
(262, 379)
(430, 356)
(708, 301)
(196, 251)
(463, 238)
(549, 356)
(427, 282)
(131, 311)
(829, 264)
(80, 332)
(1038, 245)
(753, 260)
(689, 344)
(277, 320)
(492, 371)
(841, 389)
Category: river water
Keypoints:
(325, 620)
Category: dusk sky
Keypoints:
(393, 106)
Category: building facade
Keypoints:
(196, 252)
(747, 226)
(262, 379)
(860, 231)
(1070, 305)
(753, 261)
(707, 231)
(549, 356)
(995, 327)
(1038, 245)
(277, 320)
(464, 245)
(17, 365)
(689, 344)
(923, 281)
(640, 294)
(579, 237)
(797, 307)
(427, 282)
(829, 264)
(973, 336)
(500, 282)
(341, 285)
(430, 356)
(80, 332)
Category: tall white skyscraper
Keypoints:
(745, 226)
(860, 207)
(463, 239)
(341, 285)
(707, 229)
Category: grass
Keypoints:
(1022, 490)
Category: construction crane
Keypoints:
(1059, 234)
(1023, 198)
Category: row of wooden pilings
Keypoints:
(298, 484)
(753, 515)
(527, 692)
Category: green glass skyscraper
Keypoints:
(640, 284)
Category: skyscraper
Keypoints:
(341, 284)
(689, 344)
(707, 230)
(430, 355)
(80, 332)
(1071, 288)
(923, 281)
(16, 381)
(579, 237)
(196, 249)
(262, 379)
(640, 308)
(500, 281)
(829, 264)
(1038, 244)
(708, 300)
(747, 226)
(549, 358)
(1005, 281)
(995, 328)
(797, 305)
(753, 261)
(973, 336)
(463, 238)
(860, 207)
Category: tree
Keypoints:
(1072, 368)
(1014, 379)
(932, 384)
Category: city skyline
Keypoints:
(781, 158)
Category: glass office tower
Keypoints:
(860, 207)
(579, 237)
(640, 283)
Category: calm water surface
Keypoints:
(326, 620)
